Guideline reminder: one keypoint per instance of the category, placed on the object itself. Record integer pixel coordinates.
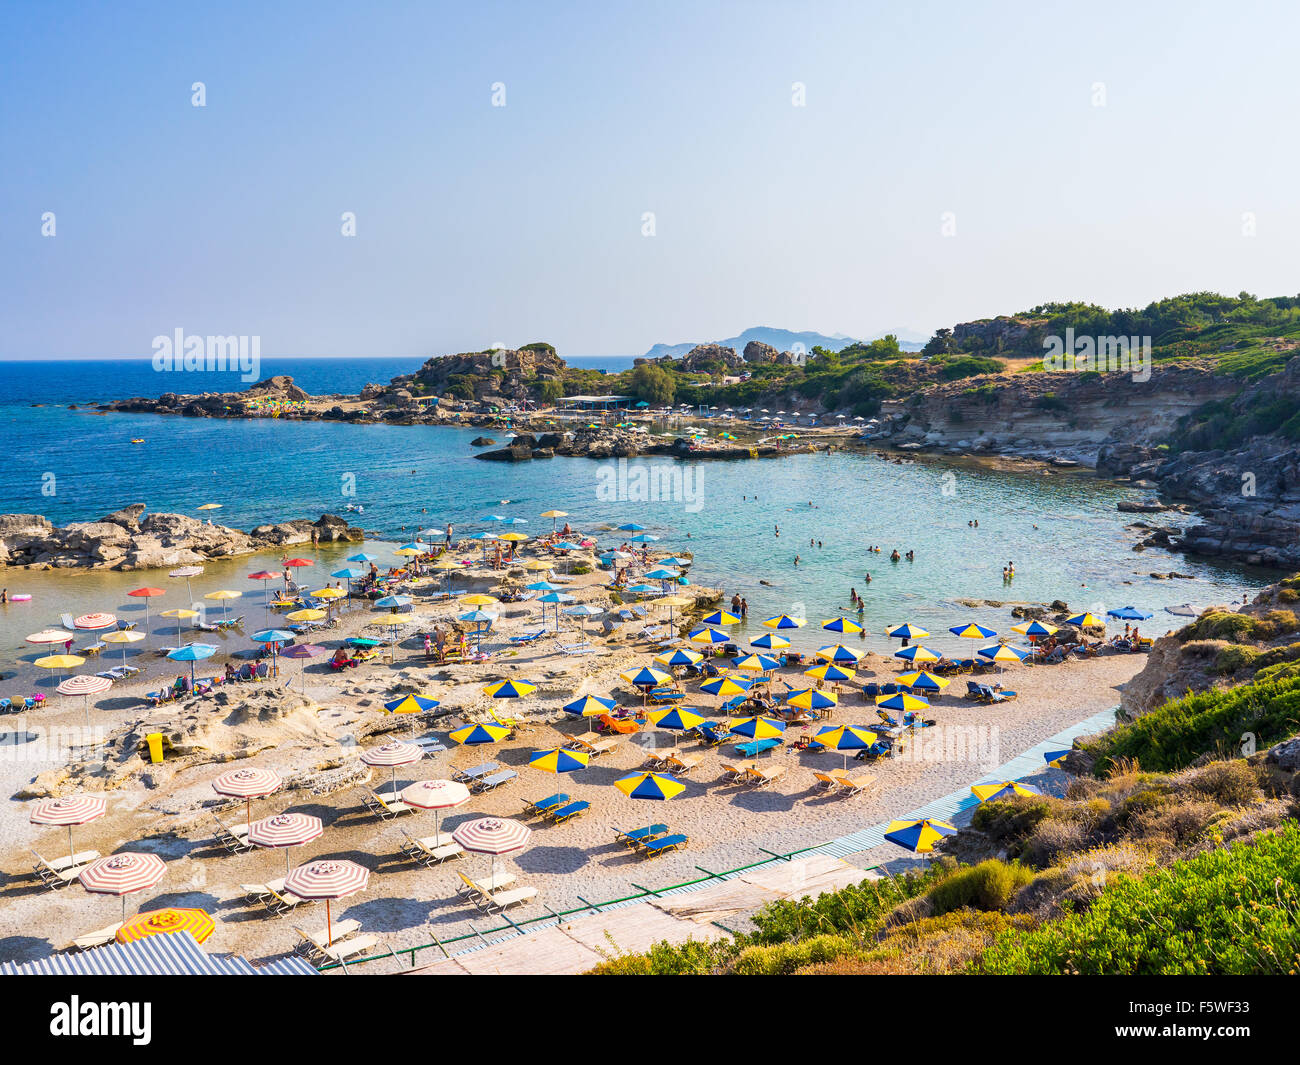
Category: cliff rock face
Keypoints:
(507, 373)
(699, 357)
(992, 335)
(756, 351)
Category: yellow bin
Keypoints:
(154, 739)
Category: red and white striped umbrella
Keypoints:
(95, 621)
(435, 795)
(69, 811)
(85, 685)
(392, 755)
(493, 835)
(248, 784)
(285, 830)
(328, 879)
(123, 874)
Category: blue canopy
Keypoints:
(1128, 613)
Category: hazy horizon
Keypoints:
(836, 167)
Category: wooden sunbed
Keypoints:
(763, 777)
(854, 786)
(737, 771)
(683, 763)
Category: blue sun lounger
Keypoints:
(572, 809)
(662, 846)
(753, 748)
(638, 837)
(551, 802)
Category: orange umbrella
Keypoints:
(163, 922)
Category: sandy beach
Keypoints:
(310, 726)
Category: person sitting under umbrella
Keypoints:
(341, 659)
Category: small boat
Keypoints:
(137, 440)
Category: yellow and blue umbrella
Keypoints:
(471, 735)
(831, 672)
(1003, 652)
(1084, 620)
(589, 706)
(727, 686)
(785, 621)
(1056, 759)
(1034, 628)
(812, 699)
(918, 835)
(645, 677)
(1002, 789)
(757, 728)
(770, 641)
(758, 664)
(679, 656)
(972, 631)
(411, 704)
(837, 652)
(675, 719)
(559, 760)
(650, 786)
(923, 681)
(906, 631)
(510, 689)
(902, 701)
(720, 617)
(708, 635)
(845, 738)
(917, 653)
(841, 625)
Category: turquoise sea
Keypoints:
(1062, 531)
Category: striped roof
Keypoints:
(177, 954)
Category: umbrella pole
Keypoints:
(329, 926)
(71, 852)
(248, 810)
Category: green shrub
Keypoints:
(782, 959)
(987, 886)
(1227, 912)
(691, 958)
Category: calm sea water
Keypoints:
(1063, 532)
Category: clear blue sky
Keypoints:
(479, 224)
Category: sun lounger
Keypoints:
(233, 838)
(655, 847)
(317, 940)
(576, 648)
(97, 939)
(619, 725)
(828, 781)
(495, 780)
(753, 748)
(595, 747)
(279, 901)
(474, 889)
(765, 776)
(383, 808)
(551, 802)
(465, 776)
(332, 944)
(55, 874)
(854, 786)
(638, 837)
(432, 850)
(564, 813)
(260, 892)
(500, 900)
(736, 772)
(682, 763)
(710, 735)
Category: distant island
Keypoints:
(784, 340)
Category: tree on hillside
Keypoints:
(652, 384)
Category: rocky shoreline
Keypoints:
(130, 539)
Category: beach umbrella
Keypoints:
(295, 563)
(770, 641)
(335, 593)
(435, 795)
(514, 537)
(644, 589)
(265, 576)
(1003, 653)
(671, 602)
(122, 874)
(285, 831)
(758, 664)
(50, 636)
(643, 538)
(192, 653)
(1034, 628)
(972, 631)
(543, 586)
(1056, 759)
(903, 702)
(393, 602)
(720, 617)
(68, 811)
(675, 719)
(844, 625)
(146, 594)
(918, 835)
(509, 689)
(559, 760)
(785, 621)
(584, 611)
(554, 515)
(360, 556)
(248, 784)
(222, 596)
(757, 728)
(60, 662)
(589, 706)
(392, 754)
(632, 527)
(727, 686)
(210, 506)
(917, 653)
(95, 621)
(662, 574)
(811, 699)
(124, 637)
(481, 620)
(662, 786)
(197, 923)
(309, 613)
(186, 572)
(645, 677)
(85, 686)
(837, 652)
(906, 631)
(179, 615)
(302, 652)
(923, 681)
(555, 598)
(479, 600)
(411, 704)
(1084, 621)
(329, 879)
(351, 573)
(831, 672)
(1128, 613)
(679, 656)
(711, 636)
(845, 738)
(473, 735)
(1002, 789)
(494, 836)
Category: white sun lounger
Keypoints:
(96, 939)
(55, 874)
